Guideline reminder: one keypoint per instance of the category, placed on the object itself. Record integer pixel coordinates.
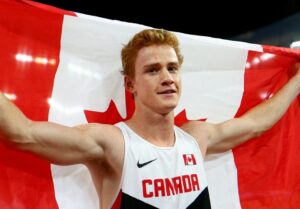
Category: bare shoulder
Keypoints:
(100, 130)
(110, 138)
(104, 134)
(200, 131)
(197, 127)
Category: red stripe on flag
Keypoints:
(30, 42)
(49, 8)
(268, 166)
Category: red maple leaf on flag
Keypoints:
(112, 115)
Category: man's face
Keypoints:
(157, 82)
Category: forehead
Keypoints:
(162, 54)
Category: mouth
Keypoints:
(168, 91)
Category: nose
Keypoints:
(166, 77)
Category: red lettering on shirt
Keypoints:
(170, 186)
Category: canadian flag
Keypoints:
(65, 67)
(189, 159)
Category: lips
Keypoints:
(168, 91)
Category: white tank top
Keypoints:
(162, 177)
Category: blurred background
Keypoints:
(262, 22)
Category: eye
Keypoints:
(152, 70)
(172, 69)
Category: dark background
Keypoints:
(215, 18)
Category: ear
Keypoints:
(129, 84)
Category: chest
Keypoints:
(169, 175)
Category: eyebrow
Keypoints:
(174, 64)
(158, 64)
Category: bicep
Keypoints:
(229, 134)
(61, 144)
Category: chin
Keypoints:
(168, 109)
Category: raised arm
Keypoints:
(216, 138)
(227, 135)
(59, 144)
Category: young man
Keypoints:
(147, 162)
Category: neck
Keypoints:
(153, 127)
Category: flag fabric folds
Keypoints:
(64, 67)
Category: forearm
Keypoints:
(229, 134)
(13, 123)
(266, 114)
(57, 143)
